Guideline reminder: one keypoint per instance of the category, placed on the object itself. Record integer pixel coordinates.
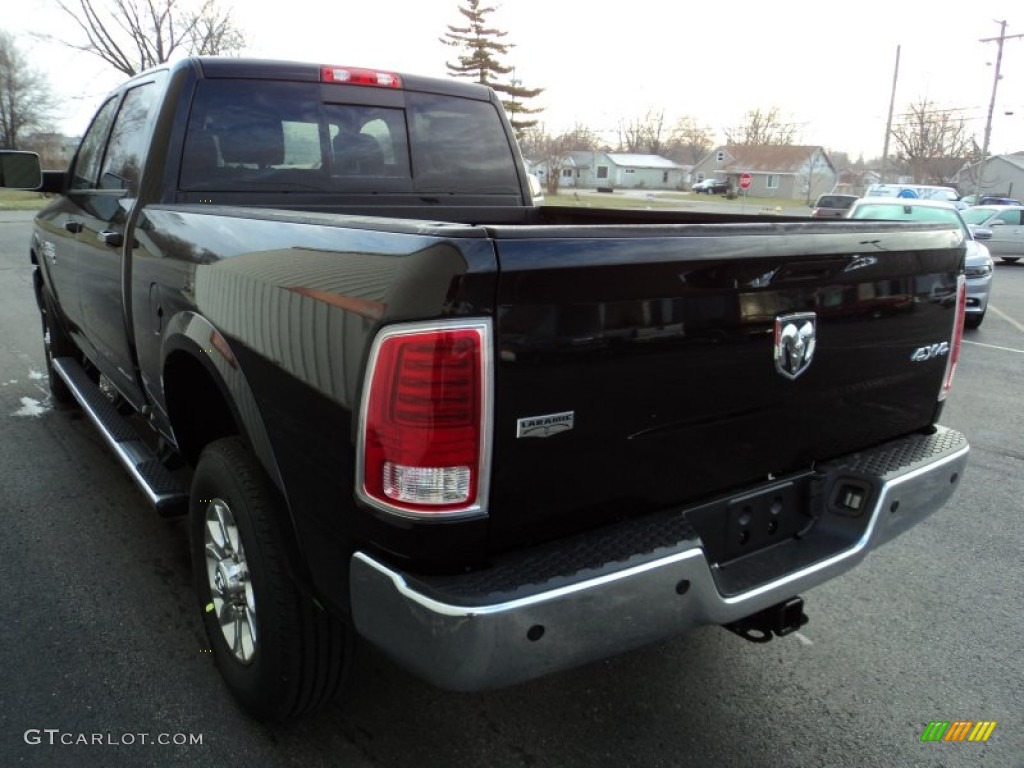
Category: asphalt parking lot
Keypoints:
(99, 634)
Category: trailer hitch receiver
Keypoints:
(778, 620)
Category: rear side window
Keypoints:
(129, 138)
(459, 141)
(278, 136)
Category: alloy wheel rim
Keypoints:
(232, 600)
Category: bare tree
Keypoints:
(553, 152)
(25, 98)
(582, 139)
(215, 33)
(134, 35)
(643, 135)
(688, 143)
(933, 142)
(761, 127)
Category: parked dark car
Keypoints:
(834, 206)
(994, 200)
(970, 200)
(712, 187)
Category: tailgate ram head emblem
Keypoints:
(794, 343)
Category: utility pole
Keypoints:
(992, 102)
(888, 123)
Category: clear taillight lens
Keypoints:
(424, 431)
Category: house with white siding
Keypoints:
(613, 170)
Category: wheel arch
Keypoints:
(206, 394)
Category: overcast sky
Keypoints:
(827, 67)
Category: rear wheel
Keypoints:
(279, 653)
(1010, 259)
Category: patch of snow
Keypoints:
(36, 375)
(30, 407)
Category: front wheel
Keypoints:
(279, 653)
(56, 343)
(973, 320)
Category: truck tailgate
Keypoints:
(637, 366)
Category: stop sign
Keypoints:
(744, 181)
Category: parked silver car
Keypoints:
(1007, 225)
(978, 264)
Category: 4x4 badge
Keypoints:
(794, 343)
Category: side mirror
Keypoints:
(20, 170)
(982, 233)
(996, 223)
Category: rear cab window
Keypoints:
(835, 201)
(907, 211)
(248, 135)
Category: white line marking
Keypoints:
(802, 639)
(1007, 318)
(993, 346)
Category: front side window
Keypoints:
(1009, 217)
(87, 164)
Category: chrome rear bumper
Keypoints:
(473, 643)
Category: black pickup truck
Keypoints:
(314, 308)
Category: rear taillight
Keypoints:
(424, 439)
(958, 335)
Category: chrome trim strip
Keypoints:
(447, 609)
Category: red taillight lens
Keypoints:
(423, 439)
(356, 76)
(958, 336)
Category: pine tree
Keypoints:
(481, 49)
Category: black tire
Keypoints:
(973, 320)
(1010, 259)
(298, 656)
(56, 343)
